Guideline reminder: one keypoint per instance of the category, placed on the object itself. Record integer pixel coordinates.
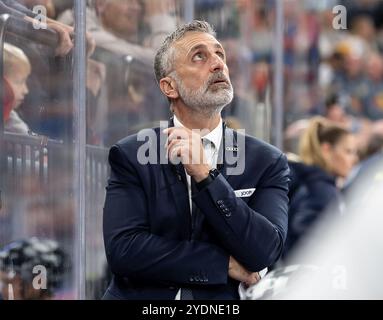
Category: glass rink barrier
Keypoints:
(78, 76)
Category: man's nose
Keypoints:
(217, 64)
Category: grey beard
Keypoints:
(204, 101)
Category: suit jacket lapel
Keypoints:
(175, 177)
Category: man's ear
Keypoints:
(169, 88)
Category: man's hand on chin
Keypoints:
(186, 144)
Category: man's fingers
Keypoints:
(174, 152)
(253, 279)
(175, 129)
(176, 133)
(256, 276)
(175, 144)
(177, 136)
(179, 151)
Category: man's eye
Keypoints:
(198, 57)
(220, 54)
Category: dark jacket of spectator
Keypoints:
(311, 190)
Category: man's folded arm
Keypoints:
(253, 233)
(132, 251)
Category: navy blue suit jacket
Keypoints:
(154, 246)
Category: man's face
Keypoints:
(121, 17)
(201, 73)
(18, 82)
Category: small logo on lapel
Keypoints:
(244, 193)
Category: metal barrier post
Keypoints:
(277, 120)
(79, 99)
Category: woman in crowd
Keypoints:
(327, 155)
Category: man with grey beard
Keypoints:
(206, 212)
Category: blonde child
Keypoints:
(17, 69)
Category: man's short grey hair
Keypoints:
(165, 55)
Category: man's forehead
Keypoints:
(194, 39)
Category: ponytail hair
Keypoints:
(319, 131)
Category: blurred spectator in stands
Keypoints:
(361, 127)
(239, 61)
(54, 7)
(364, 28)
(48, 4)
(336, 110)
(48, 109)
(96, 75)
(223, 15)
(128, 27)
(328, 40)
(18, 278)
(14, 8)
(328, 37)
(374, 99)
(330, 66)
(17, 69)
(127, 33)
(62, 5)
(262, 39)
(350, 81)
(327, 153)
(301, 59)
(370, 159)
(113, 17)
(374, 147)
(367, 8)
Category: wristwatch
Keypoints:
(213, 173)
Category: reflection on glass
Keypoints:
(36, 215)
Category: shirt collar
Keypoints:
(215, 136)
